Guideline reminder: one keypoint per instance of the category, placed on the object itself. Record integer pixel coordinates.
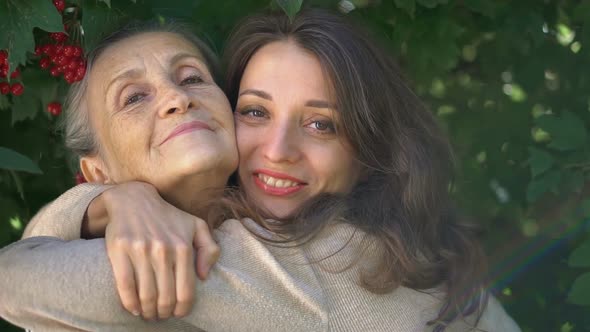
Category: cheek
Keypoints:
(246, 138)
(338, 169)
(130, 144)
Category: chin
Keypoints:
(206, 162)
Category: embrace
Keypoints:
(310, 194)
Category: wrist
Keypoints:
(95, 219)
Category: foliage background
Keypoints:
(509, 79)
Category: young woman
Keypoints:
(338, 151)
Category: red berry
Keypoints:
(48, 49)
(3, 56)
(59, 37)
(60, 5)
(80, 178)
(38, 50)
(54, 108)
(70, 76)
(15, 73)
(78, 51)
(45, 63)
(80, 72)
(73, 65)
(54, 71)
(3, 72)
(59, 49)
(69, 50)
(4, 88)
(62, 60)
(17, 89)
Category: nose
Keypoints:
(282, 143)
(176, 100)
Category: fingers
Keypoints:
(165, 281)
(125, 281)
(207, 249)
(146, 281)
(185, 280)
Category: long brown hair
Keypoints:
(403, 200)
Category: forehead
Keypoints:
(140, 48)
(278, 63)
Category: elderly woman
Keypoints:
(318, 126)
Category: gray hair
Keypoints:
(79, 135)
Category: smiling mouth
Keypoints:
(186, 128)
(277, 184)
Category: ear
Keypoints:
(94, 170)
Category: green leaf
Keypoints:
(98, 21)
(12, 160)
(484, 7)
(4, 103)
(539, 186)
(107, 2)
(572, 181)
(540, 161)
(585, 208)
(17, 20)
(567, 131)
(290, 7)
(24, 107)
(580, 257)
(44, 85)
(408, 5)
(431, 3)
(580, 291)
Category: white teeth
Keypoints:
(277, 183)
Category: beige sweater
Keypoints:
(52, 284)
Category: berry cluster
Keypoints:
(17, 88)
(54, 108)
(61, 59)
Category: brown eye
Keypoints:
(253, 112)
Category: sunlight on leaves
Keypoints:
(515, 92)
(16, 223)
(445, 110)
(565, 35)
(575, 47)
(530, 228)
(566, 327)
(437, 89)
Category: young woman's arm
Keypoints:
(49, 284)
(63, 217)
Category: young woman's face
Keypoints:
(158, 114)
(285, 127)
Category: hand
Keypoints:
(150, 245)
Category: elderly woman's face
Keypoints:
(158, 114)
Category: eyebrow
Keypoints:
(257, 93)
(320, 104)
(310, 103)
(131, 73)
(182, 56)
